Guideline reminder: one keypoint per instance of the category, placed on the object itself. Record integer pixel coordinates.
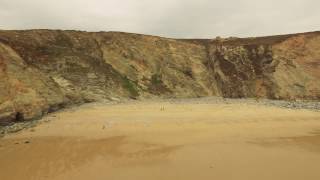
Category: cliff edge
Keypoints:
(45, 70)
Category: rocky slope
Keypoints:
(44, 70)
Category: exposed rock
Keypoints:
(7, 113)
(42, 71)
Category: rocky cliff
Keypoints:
(45, 70)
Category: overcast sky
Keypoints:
(170, 18)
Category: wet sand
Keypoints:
(162, 140)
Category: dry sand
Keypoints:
(162, 140)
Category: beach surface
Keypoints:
(189, 140)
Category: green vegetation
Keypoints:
(130, 86)
(157, 86)
(156, 80)
(63, 40)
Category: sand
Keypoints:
(164, 140)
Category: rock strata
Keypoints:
(42, 71)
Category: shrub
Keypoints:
(130, 86)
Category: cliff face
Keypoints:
(280, 67)
(44, 70)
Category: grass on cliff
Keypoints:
(156, 80)
(157, 86)
(130, 86)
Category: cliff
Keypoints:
(45, 70)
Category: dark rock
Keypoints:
(42, 71)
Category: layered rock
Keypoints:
(44, 70)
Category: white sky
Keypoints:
(169, 18)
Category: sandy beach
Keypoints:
(166, 140)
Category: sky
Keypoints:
(168, 18)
